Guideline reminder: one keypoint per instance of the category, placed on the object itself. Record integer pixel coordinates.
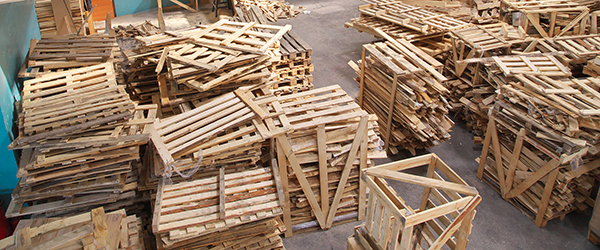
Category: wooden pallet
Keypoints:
(576, 49)
(68, 102)
(532, 12)
(546, 65)
(407, 101)
(444, 217)
(195, 208)
(95, 229)
(412, 17)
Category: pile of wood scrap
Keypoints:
(175, 68)
(401, 85)
(60, 53)
(91, 230)
(80, 135)
(292, 65)
(265, 11)
(331, 141)
(443, 218)
(144, 29)
(59, 17)
(544, 129)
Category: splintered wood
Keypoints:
(544, 129)
(320, 161)
(92, 230)
(407, 100)
(265, 11)
(443, 218)
(80, 134)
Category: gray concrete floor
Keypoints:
(497, 224)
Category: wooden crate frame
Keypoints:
(532, 11)
(447, 207)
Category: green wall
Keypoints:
(19, 25)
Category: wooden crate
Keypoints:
(443, 218)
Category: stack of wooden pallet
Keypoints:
(443, 218)
(80, 134)
(265, 11)
(332, 139)
(292, 64)
(90, 230)
(411, 17)
(545, 130)
(212, 211)
(176, 68)
(46, 17)
(401, 85)
(60, 53)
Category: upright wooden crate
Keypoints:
(444, 216)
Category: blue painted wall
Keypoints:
(126, 7)
(19, 25)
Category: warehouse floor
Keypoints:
(497, 225)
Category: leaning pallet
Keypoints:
(443, 220)
(91, 230)
(407, 100)
(46, 19)
(330, 134)
(548, 162)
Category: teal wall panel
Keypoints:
(19, 25)
(127, 7)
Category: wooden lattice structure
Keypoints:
(532, 12)
(443, 218)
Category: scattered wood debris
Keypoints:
(91, 230)
(265, 11)
(144, 29)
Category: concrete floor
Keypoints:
(497, 225)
